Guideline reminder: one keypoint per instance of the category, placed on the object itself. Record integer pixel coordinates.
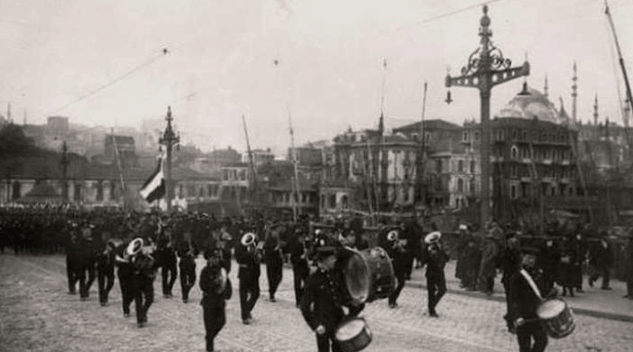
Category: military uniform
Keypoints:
(105, 273)
(213, 301)
(248, 274)
(144, 275)
(187, 266)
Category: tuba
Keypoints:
(392, 235)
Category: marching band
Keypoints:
(335, 272)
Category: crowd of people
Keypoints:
(138, 245)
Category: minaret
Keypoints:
(546, 88)
(574, 93)
(595, 111)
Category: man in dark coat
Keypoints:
(216, 289)
(297, 248)
(324, 297)
(105, 272)
(435, 258)
(248, 256)
(629, 268)
(187, 266)
(510, 264)
(601, 258)
(144, 275)
(166, 259)
(525, 292)
(395, 247)
(125, 274)
(273, 256)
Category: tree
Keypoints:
(13, 142)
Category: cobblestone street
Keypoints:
(38, 315)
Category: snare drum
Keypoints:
(556, 317)
(353, 335)
(369, 275)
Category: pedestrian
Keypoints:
(510, 263)
(248, 255)
(488, 267)
(273, 256)
(435, 258)
(525, 289)
(105, 272)
(216, 289)
(601, 259)
(472, 261)
(323, 299)
(565, 276)
(629, 267)
(549, 261)
(462, 248)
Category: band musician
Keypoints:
(216, 289)
(248, 255)
(324, 297)
(526, 286)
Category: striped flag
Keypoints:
(154, 187)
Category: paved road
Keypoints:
(37, 315)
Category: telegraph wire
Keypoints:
(108, 84)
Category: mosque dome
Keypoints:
(528, 106)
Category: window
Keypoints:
(472, 186)
(465, 137)
(17, 190)
(99, 191)
(427, 137)
(438, 166)
(513, 192)
(77, 195)
(333, 201)
(472, 166)
(460, 166)
(460, 185)
(514, 152)
(201, 192)
(405, 194)
(415, 137)
(344, 202)
(476, 136)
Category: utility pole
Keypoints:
(421, 192)
(169, 139)
(64, 162)
(486, 68)
(296, 196)
(253, 175)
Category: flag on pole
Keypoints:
(154, 187)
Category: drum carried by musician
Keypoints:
(536, 316)
(344, 278)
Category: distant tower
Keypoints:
(574, 93)
(9, 113)
(546, 88)
(24, 120)
(595, 111)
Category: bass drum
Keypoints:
(369, 275)
(353, 335)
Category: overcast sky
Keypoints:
(101, 62)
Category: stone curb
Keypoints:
(581, 311)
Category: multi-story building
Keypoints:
(370, 172)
